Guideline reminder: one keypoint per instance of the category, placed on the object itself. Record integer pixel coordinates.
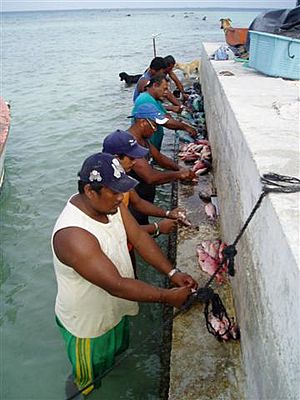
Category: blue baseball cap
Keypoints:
(149, 111)
(122, 142)
(106, 169)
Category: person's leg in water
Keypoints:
(91, 358)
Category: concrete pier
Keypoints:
(253, 125)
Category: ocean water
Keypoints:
(60, 73)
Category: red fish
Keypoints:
(225, 329)
(210, 258)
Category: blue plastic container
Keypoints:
(275, 55)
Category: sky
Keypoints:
(24, 5)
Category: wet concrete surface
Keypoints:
(201, 367)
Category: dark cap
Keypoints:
(122, 142)
(150, 111)
(105, 169)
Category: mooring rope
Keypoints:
(206, 294)
(287, 184)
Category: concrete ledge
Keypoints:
(201, 368)
(253, 124)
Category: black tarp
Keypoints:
(285, 22)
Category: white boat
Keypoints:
(4, 130)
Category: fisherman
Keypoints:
(170, 64)
(125, 147)
(96, 286)
(155, 91)
(157, 65)
(147, 119)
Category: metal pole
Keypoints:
(153, 42)
(154, 48)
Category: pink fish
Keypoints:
(210, 211)
(201, 167)
(208, 264)
(210, 258)
(211, 247)
(202, 141)
(183, 218)
(225, 329)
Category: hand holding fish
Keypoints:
(191, 131)
(183, 279)
(167, 225)
(175, 213)
(186, 174)
(183, 218)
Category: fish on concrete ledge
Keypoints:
(211, 211)
(224, 329)
(210, 256)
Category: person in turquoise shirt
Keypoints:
(155, 92)
(158, 135)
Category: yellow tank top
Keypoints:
(126, 198)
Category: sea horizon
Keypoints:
(246, 9)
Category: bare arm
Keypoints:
(155, 177)
(150, 251)
(177, 82)
(179, 125)
(172, 99)
(162, 160)
(175, 109)
(165, 226)
(144, 206)
(80, 250)
(141, 85)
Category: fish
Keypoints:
(205, 193)
(183, 218)
(224, 328)
(211, 247)
(199, 166)
(210, 258)
(210, 211)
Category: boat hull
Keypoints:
(4, 131)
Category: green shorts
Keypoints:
(92, 357)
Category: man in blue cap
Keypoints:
(146, 120)
(125, 147)
(95, 279)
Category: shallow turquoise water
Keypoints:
(60, 72)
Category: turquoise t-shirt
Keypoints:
(157, 137)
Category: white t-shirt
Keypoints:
(83, 308)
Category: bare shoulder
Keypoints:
(142, 83)
(140, 164)
(74, 243)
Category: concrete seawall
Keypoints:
(253, 124)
